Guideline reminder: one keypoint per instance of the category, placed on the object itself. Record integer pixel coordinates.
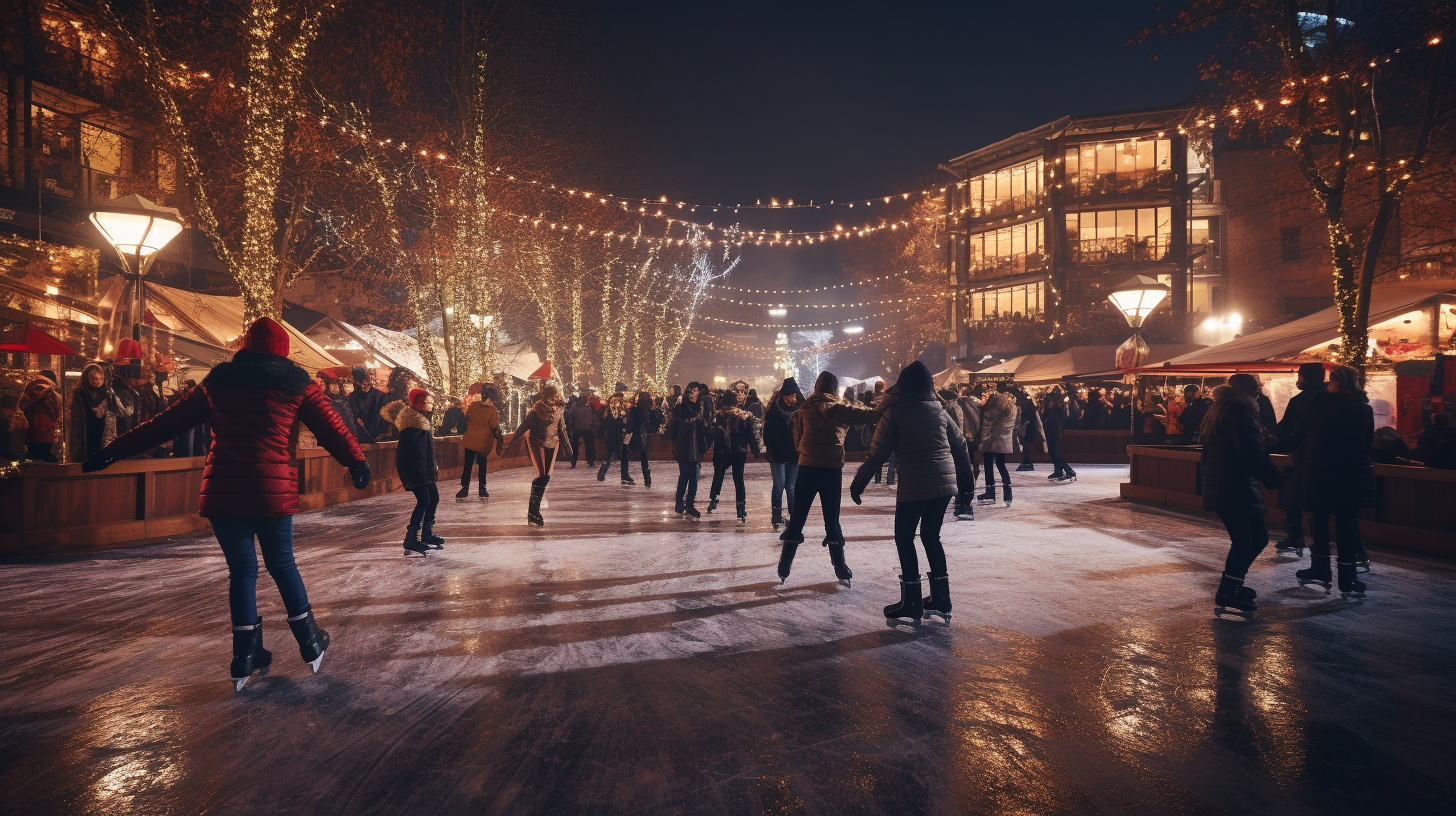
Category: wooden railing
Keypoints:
(1415, 507)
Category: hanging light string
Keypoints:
(865, 282)
(860, 305)
(720, 344)
(819, 325)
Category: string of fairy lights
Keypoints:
(715, 343)
(858, 305)
(815, 325)
(864, 282)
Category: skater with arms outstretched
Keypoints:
(543, 435)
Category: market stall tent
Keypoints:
(1089, 362)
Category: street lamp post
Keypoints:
(137, 229)
(1136, 298)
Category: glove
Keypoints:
(359, 472)
(855, 489)
(100, 460)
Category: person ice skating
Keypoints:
(642, 422)
(1054, 423)
(935, 465)
(998, 438)
(735, 434)
(95, 411)
(583, 420)
(249, 484)
(482, 436)
(1029, 428)
(414, 460)
(1310, 381)
(965, 410)
(779, 447)
(819, 430)
(611, 431)
(1233, 463)
(1337, 478)
(688, 431)
(543, 436)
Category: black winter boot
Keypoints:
(690, 511)
(464, 492)
(646, 475)
(778, 517)
(988, 497)
(602, 471)
(1318, 572)
(533, 510)
(427, 535)
(909, 607)
(786, 557)
(480, 488)
(743, 512)
(1229, 600)
(1006, 493)
(312, 641)
(412, 542)
(1350, 585)
(248, 654)
(836, 557)
(938, 603)
(712, 503)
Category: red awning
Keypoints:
(27, 339)
(545, 372)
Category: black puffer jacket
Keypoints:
(1234, 461)
(778, 433)
(930, 449)
(688, 430)
(1334, 444)
(414, 454)
(641, 424)
(735, 433)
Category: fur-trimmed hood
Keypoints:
(251, 369)
(408, 417)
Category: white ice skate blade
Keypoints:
(238, 684)
(897, 622)
(1325, 584)
(313, 666)
(1220, 611)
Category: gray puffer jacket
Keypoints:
(931, 452)
(998, 424)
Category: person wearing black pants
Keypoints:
(611, 431)
(689, 432)
(584, 421)
(482, 435)
(414, 459)
(937, 466)
(1310, 382)
(819, 431)
(1234, 463)
(735, 434)
(999, 418)
(1053, 422)
(642, 422)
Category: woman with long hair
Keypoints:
(1338, 478)
(612, 430)
(689, 432)
(1234, 462)
(543, 434)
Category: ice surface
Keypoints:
(625, 660)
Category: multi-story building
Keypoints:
(1043, 223)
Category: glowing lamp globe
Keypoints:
(138, 228)
(1137, 297)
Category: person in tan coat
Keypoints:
(999, 418)
(543, 435)
(819, 430)
(482, 434)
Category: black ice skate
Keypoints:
(989, 497)
(964, 510)
(533, 510)
(249, 656)
(428, 537)
(908, 610)
(480, 490)
(712, 504)
(778, 517)
(938, 604)
(1291, 546)
(1350, 586)
(1006, 493)
(464, 492)
(836, 557)
(786, 557)
(1318, 573)
(1230, 601)
(691, 511)
(413, 544)
(743, 512)
(628, 481)
(678, 507)
(1025, 467)
(312, 641)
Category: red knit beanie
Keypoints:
(267, 336)
(417, 398)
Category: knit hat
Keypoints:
(127, 349)
(360, 374)
(417, 398)
(728, 400)
(790, 386)
(826, 383)
(915, 378)
(266, 336)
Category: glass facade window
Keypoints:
(1007, 251)
(83, 49)
(1120, 235)
(80, 160)
(1204, 292)
(1024, 301)
(1008, 190)
(1116, 168)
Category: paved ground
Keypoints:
(623, 661)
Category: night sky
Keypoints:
(737, 102)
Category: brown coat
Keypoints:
(820, 426)
(482, 428)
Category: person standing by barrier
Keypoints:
(414, 461)
(482, 435)
(249, 483)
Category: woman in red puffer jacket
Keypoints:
(249, 484)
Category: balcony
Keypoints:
(1006, 207)
(77, 70)
(1118, 250)
(1005, 267)
(1093, 186)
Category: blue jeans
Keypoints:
(784, 476)
(275, 536)
(687, 481)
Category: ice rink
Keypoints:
(623, 660)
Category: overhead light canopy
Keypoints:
(1137, 297)
(138, 228)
